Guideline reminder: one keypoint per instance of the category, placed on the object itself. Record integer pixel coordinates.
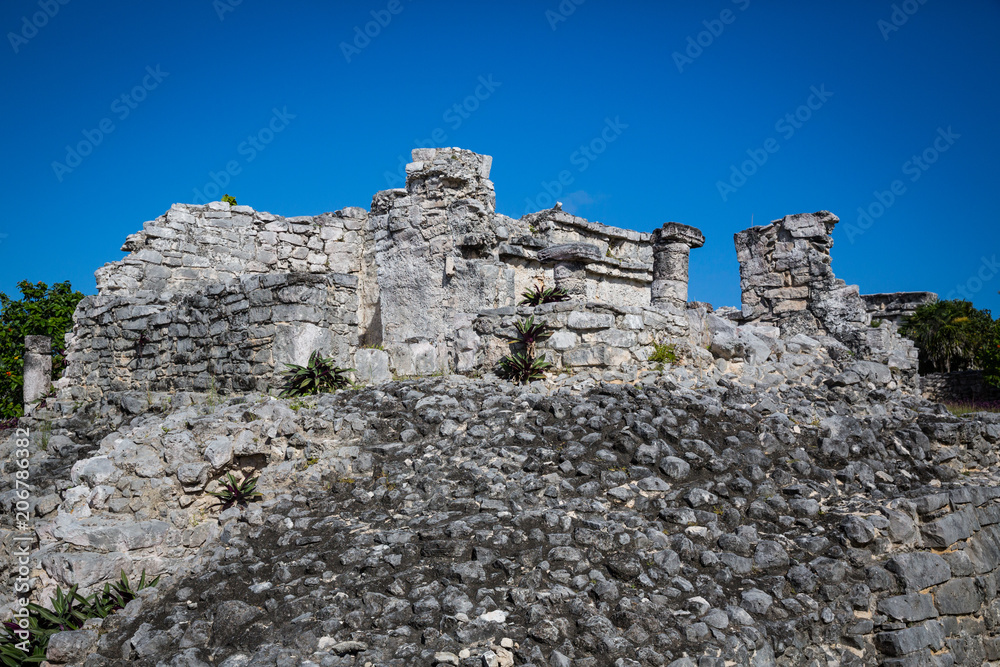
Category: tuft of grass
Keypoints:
(959, 408)
(236, 493)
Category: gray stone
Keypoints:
(910, 607)
(958, 596)
(919, 569)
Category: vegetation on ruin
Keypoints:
(663, 353)
(41, 311)
(69, 611)
(229, 199)
(538, 295)
(524, 367)
(319, 375)
(236, 493)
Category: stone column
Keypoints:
(37, 367)
(672, 245)
(569, 270)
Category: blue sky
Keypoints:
(718, 112)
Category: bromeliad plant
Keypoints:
(524, 367)
(538, 295)
(320, 374)
(530, 333)
(519, 368)
(21, 645)
(236, 493)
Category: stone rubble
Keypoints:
(789, 505)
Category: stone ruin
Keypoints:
(428, 280)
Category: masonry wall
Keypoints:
(586, 335)
(957, 387)
(235, 336)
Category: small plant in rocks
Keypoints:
(236, 493)
(521, 368)
(538, 295)
(24, 641)
(229, 199)
(663, 353)
(319, 375)
(531, 333)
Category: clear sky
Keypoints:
(710, 113)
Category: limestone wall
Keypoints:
(234, 336)
(190, 246)
(896, 306)
(586, 335)
(957, 387)
(786, 278)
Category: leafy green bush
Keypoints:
(236, 493)
(42, 311)
(26, 646)
(950, 335)
(229, 200)
(319, 375)
(538, 295)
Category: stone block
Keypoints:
(579, 319)
(920, 569)
(910, 607)
(372, 366)
(958, 596)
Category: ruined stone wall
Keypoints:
(585, 335)
(786, 278)
(594, 262)
(233, 336)
(957, 387)
(896, 306)
(191, 245)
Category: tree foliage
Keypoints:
(41, 311)
(950, 335)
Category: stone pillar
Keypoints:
(672, 245)
(37, 367)
(570, 261)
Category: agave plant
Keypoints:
(236, 493)
(320, 374)
(521, 368)
(538, 295)
(530, 333)
(69, 612)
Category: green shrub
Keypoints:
(319, 375)
(949, 335)
(663, 353)
(42, 311)
(69, 612)
(229, 200)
